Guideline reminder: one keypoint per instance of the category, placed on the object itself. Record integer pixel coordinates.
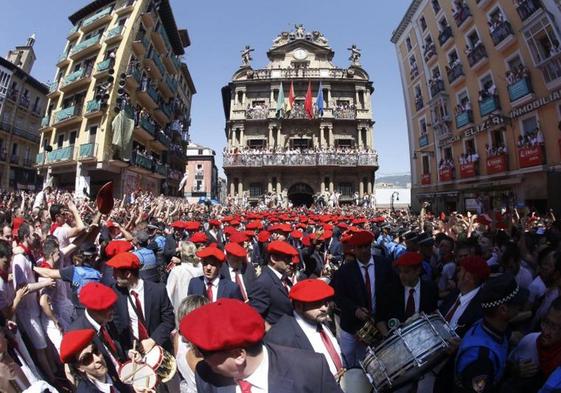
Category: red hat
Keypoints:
(104, 199)
(214, 223)
(238, 237)
(192, 225)
(73, 342)
(223, 325)
(97, 297)
(311, 290)
(178, 224)
(229, 230)
(296, 234)
(409, 259)
(234, 223)
(263, 236)
(360, 238)
(109, 224)
(16, 223)
(236, 250)
(285, 228)
(342, 225)
(199, 237)
(281, 247)
(476, 266)
(115, 247)
(326, 235)
(124, 260)
(211, 252)
(254, 225)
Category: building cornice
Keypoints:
(24, 76)
(413, 7)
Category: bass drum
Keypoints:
(139, 375)
(354, 380)
(162, 362)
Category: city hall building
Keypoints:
(481, 83)
(283, 139)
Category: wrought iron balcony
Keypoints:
(148, 125)
(24, 101)
(304, 159)
(477, 54)
(29, 135)
(156, 58)
(344, 113)
(462, 15)
(93, 106)
(257, 113)
(444, 35)
(464, 118)
(143, 161)
(423, 140)
(527, 8)
(436, 87)
(430, 52)
(85, 44)
(53, 86)
(73, 77)
(161, 169)
(103, 65)
(307, 73)
(62, 154)
(520, 89)
(115, 32)
(92, 19)
(489, 105)
(46, 121)
(67, 113)
(501, 32)
(455, 72)
(87, 150)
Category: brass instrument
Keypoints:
(368, 333)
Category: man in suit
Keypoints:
(229, 335)
(237, 269)
(212, 284)
(409, 295)
(306, 329)
(357, 284)
(214, 233)
(142, 306)
(99, 301)
(269, 295)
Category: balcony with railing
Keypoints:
(551, 66)
(489, 105)
(424, 140)
(85, 46)
(26, 134)
(148, 125)
(46, 121)
(462, 15)
(303, 159)
(257, 112)
(93, 107)
(76, 79)
(60, 155)
(469, 169)
(97, 19)
(12, 94)
(444, 35)
(477, 56)
(455, 73)
(67, 114)
(14, 159)
(103, 66)
(156, 66)
(464, 118)
(149, 96)
(143, 160)
(344, 113)
(161, 169)
(430, 52)
(114, 34)
(160, 39)
(519, 89)
(87, 151)
(72, 33)
(140, 44)
(527, 8)
(53, 87)
(496, 164)
(24, 101)
(419, 104)
(502, 35)
(63, 60)
(300, 73)
(27, 162)
(163, 139)
(436, 87)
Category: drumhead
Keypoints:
(139, 375)
(154, 357)
(354, 380)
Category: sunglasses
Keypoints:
(88, 358)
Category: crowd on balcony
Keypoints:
(488, 91)
(429, 49)
(414, 70)
(446, 163)
(246, 150)
(460, 11)
(470, 48)
(344, 110)
(516, 74)
(462, 107)
(257, 111)
(496, 22)
(496, 149)
(452, 64)
(531, 139)
(469, 157)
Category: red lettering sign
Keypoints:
(425, 178)
(496, 164)
(446, 174)
(467, 170)
(530, 156)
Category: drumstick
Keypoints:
(132, 374)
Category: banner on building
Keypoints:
(468, 170)
(530, 156)
(425, 179)
(496, 164)
(446, 174)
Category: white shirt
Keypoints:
(259, 380)
(464, 301)
(178, 282)
(97, 328)
(104, 387)
(233, 277)
(317, 343)
(23, 274)
(416, 296)
(139, 289)
(372, 276)
(214, 283)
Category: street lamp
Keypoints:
(395, 195)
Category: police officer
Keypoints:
(482, 354)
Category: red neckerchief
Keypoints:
(550, 358)
(4, 275)
(54, 226)
(43, 263)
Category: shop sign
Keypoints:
(425, 179)
(530, 156)
(491, 122)
(496, 164)
(536, 104)
(446, 174)
(467, 170)
(448, 141)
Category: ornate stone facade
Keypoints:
(277, 145)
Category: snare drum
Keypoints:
(355, 381)
(162, 362)
(408, 352)
(139, 375)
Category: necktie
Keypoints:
(240, 284)
(142, 332)
(108, 341)
(244, 386)
(209, 293)
(452, 310)
(330, 348)
(368, 287)
(410, 308)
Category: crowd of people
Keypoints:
(531, 138)
(446, 163)
(97, 295)
(496, 150)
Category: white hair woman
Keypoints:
(187, 265)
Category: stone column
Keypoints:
(331, 186)
(270, 185)
(361, 188)
(322, 184)
(278, 186)
(241, 144)
(232, 188)
(240, 188)
(331, 142)
(369, 186)
(270, 138)
(321, 136)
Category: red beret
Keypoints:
(199, 237)
(311, 290)
(254, 225)
(263, 236)
(234, 223)
(73, 342)
(211, 252)
(104, 199)
(229, 230)
(227, 219)
(16, 223)
(238, 237)
(192, 225)
(124, 260)
(109, 224)
(223, 325)
(409, 259)
(115, 247)
(97, 297)
(236, 250)
(214, 223)
(360, 238)
(476, 266)
(307, 241)
(178, 224)
(326, 235)
(281, 247)
(296, 234)
(342, 225)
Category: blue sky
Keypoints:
(220, 29)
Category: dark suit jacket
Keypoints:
(350, 291)
(226, 288)
(471, 314)
(336, 249)
(216, 239)
(288, 333)
(393, 302)
(290, 371)
(86, 386)
(247, 271)
(269, 297)
(82, 323)
(158, 313)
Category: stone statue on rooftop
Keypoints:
(355, 55)
(246, 56)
